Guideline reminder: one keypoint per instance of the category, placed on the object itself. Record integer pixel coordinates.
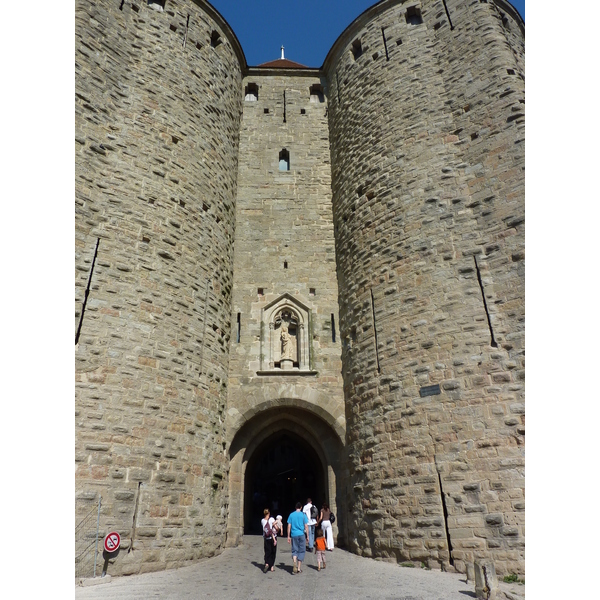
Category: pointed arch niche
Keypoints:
(286, 340)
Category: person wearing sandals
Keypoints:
(325, 525)
(269, 527)
(312, 514)
(297, 533)
(320, 546)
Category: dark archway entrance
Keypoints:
(283, 470)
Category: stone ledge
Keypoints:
(294, 372)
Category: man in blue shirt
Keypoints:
(297, 536)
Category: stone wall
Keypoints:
(158, 107)
(284, 246)
(405, 189)
(427, 172)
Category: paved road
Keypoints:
(237, 574)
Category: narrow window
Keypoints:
(413, 16)
(251, 94)
(187, 28)
(284, 108)
(493, 342)
(312, 292)
(87, 293)
(157, 4)
(448, 14)
(356, 49)
(266, 111)
(285, 264)
(387, 56)
(375, 332)
(445, 511)
(302, 111)
(239, 327)
(284, 160)
(332, 328)
(215, 39)
(316, 93)
(261, 291)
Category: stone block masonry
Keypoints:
(427, 176)
(336, 254)
(284, 246)
(157, 129)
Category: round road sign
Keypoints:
(112, 541)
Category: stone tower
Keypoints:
(299, 282)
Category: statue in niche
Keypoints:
(286, 343)
(288, 331)
(284, 340)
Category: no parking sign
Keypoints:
(112, 541)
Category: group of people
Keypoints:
(307, 529)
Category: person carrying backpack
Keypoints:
(312, 514)
(269, 528)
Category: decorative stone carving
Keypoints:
(285, 342)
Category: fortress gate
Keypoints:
(295, 281)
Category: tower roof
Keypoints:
(283, 63)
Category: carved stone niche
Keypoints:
(285, 338)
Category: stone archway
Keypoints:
(309, 438)
(283, 470)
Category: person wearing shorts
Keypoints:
(297, 536)
(320, 547)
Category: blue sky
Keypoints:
(307, 28)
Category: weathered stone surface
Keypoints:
(157, 126)
(392, 232)
(427, 178)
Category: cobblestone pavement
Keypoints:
(237, 574)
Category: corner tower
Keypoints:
(426, 109)
(158, 109)
(301, 282)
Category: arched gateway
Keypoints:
(352, 322)
(279, 456)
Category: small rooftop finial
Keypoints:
(282, 56)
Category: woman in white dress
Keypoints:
(325, 524)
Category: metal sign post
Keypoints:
(112, 541)
(97, 530)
